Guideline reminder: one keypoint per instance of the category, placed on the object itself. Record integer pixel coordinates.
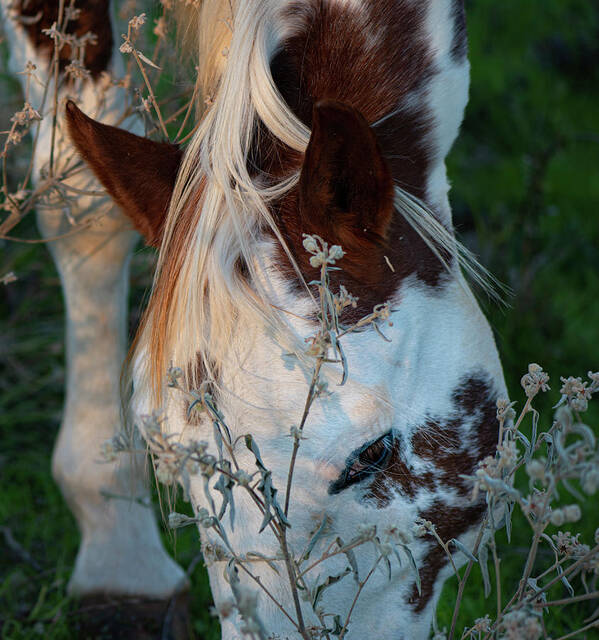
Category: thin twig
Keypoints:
(462, 583)
(360, 587)
(587, 596)
(595, 623)
(14, 546)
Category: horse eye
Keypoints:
(365, 462)
(372, 459)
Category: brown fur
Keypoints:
(331, 58)
(453, 446)
(358, 68)
(476, 405)
(451, 522)
(345, 182)
(94, 17)
(137, 172)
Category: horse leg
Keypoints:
(121, 554)
(120, 551)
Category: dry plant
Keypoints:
(19, 195)
(555, 461)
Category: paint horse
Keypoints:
(330, 118)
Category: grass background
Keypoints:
(525, 197)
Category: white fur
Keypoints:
(447, 96)
(120, 552)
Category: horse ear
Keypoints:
(137, 172)
(345, 183)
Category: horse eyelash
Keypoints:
(370, 467)
(385, 442)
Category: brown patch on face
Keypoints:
(450, 522)
(455, 449)
(377, 62)
(456, 445)
(453, 446)
(94, 17)
(137, 172)
(459, 44)
(397, 477)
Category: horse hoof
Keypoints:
(133, 618)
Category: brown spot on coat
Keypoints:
(450, 522)
(94, 17)
(456, 445)
(376, 62)
(398, 477)
(452, 446)
(455, 450)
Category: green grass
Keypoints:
(526, 198)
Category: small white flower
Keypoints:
(572, 513)
(590, 480)
(9, 277)
(126, 47)
(505, 410)
(177, 520)
(482, 624)
(243, 478)
(310, 244)
(335, 253)
(205, 519)
(318, 260)
(534, 381)
(536, 470)
(137, 21)
(76, 70)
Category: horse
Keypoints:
(121, 556)
(328, 127)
